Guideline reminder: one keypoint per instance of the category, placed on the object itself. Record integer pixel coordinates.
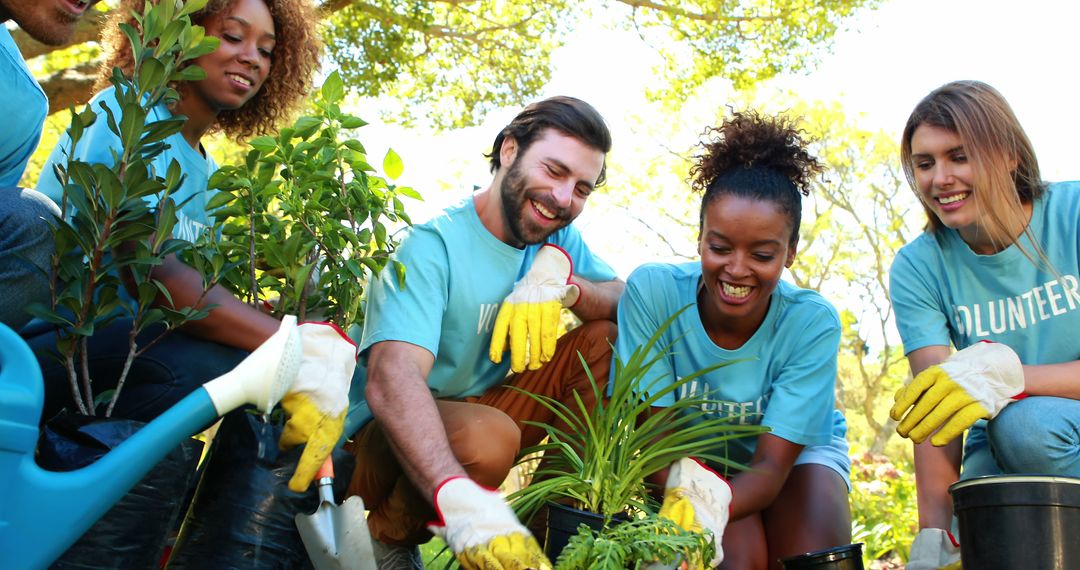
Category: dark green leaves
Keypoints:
(330, 216)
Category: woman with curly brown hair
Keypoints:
(782, 342)
(261, 70)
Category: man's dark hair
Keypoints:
(570, 116)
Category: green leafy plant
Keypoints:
(634, 544)
(107, 229)
(883, 505)
(600, 463)
(306, 216)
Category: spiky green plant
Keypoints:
(600, 462)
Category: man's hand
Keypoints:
(319, 397)
(934, 549)
(531, 313)
(975, 383)
(697, 499)
(482, 531)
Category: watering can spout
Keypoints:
(44, 512)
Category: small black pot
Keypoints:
(563, 522)
(847, 557)
(1018, 521)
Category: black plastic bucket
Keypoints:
(563, 522)
(847, 557)
(1018, 521)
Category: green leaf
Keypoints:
(190, 7)
(392, 165)
(188, 73)
(354, 145)
(263, 144)
(219, 199)
(306, 126)
(409, 192)
(333, 89)
(351, 122)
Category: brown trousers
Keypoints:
(485, 433)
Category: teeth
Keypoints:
(546, 213)
(239, 78)
(735, 291)
(953, 198)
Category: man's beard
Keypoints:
(514, 202)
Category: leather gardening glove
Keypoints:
(934, 549)
(975, 383)
(481, 530)
(697, 499)
(317, 402)
(531, 313)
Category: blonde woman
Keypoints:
(996, 275)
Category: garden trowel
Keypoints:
(336, 536)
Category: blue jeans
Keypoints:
(167, 372)
(26, 244)
(1037, 435)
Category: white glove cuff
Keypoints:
(471, 515)
(990, 372)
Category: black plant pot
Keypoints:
(563, 522)
(242, 514)
(847, 557)
(1018, 521)
(133, 533)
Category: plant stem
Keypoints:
(84, 359)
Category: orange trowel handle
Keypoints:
(327, 469)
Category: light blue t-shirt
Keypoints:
(943, 292)
(99, 143)
(457, 275)
(23, 107)
(787, 384)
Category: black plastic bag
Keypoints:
(243, 512)
(134, 532)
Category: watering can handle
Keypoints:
(327, 469)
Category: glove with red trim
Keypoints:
(481, 530)
(531, 313)
(317, 402)
(934, 549)
(698, 499)
(975, 383)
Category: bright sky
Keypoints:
(879, 69)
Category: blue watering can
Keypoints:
(42, 513)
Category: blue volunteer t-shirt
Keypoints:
(457, 275)
(23, 107)
(943, 292)
(99, 143)
(788, 381)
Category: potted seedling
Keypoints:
(596, 470)
(300, 225)
(108, 231)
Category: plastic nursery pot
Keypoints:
(563, 522)
(134, 532)
(847, 557)
(1018, 521)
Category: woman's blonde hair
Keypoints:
(293, 64)
(1004, 167)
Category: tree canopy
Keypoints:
(452, 61)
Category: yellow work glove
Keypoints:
(934, 549)
(698, 499)
(317, 402)
(975, 383)
(531, 313)
(482, 531)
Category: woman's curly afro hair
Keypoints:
(294, 61)
(756, 157)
